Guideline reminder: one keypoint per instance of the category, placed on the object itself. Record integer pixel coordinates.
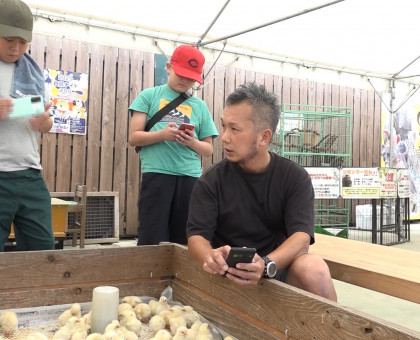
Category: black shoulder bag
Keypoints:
(163, 111)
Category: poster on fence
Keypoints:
(360, 183)
(326, 182)
(388, 181)
(403, 179)
(68, 94)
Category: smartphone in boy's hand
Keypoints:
(185, 126)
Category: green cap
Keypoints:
(16, 19)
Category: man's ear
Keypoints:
(265, 138)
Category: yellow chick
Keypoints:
(162, 304)
(74, 310)
(36, 336)
(163, 334)
(143, 311)
(176, 320)
(190, 315)
(130, 322)
(204, 332)
(8, 323)
(79, 334)
(96, 336)
(153, 305)
(124, 306)
(64, 333)
(156, 323)
(193, 330)
(228, 338)
(75, 324)
(181, 333)
(131, 300)
(114, 324)
(129, 335)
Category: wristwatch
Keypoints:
(270, 268)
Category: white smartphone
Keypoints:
(27, 106)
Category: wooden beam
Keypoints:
(384, 269)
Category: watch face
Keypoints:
(271, 269)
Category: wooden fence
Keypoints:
(105, 161)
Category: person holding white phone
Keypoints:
(171, 149)
(24, 197)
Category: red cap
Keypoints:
(187, 61)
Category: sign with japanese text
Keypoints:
(325, 181)
(403, 179)
(388, 181)
(360, 183)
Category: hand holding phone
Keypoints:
(27, 106)
(240, 255)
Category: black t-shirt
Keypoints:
(225, 200)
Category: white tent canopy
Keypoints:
(372, 37)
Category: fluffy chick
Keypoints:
(96, 336)
(204, 332)
(129, 320)
(74, 310)
(162, 305)
(114, 331)
(153, 304)
(36, 336)
(176, 320)
(181, 333)
(143, 311)
(64, 333)
(156, 323)
(8, 323)
(163, 334)
(190, 315)
(124, 306)
(132, 300)
(79, 334)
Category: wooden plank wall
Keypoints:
(105, 161)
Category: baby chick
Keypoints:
(153, 304)
(143, 311)
(124, 306)
(36, 336)
(79, 334)
(74, 310)
(181, 333)
(176, 320)
(96, 336)
(8, 323)
(64, 333)
(156, 323)
(162, 304)
(190, 315)
(195, 327)
(129, 320)
(204, 332)
(114, 331)
(163, 334)
(131, 300)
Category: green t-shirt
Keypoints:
(170, 157)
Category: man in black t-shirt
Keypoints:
(254, 198)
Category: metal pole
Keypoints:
(396, 74)
(269, 23)
(212, 23)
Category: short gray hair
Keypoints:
(265, 105)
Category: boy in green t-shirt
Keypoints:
(170, 157)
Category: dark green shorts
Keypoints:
(25, 201)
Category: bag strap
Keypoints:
(164, 111)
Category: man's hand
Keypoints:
(247, 273)
(215, 260)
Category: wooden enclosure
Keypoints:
(105, 161)
(271, 310)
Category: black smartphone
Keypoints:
(240, 255)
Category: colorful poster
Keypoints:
(326, 182)
(403, 179)
(388, 181)
(401, 143)
(68, 93)
(360, 183)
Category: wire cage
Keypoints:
(383, 221)
(317, 136)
